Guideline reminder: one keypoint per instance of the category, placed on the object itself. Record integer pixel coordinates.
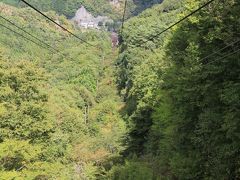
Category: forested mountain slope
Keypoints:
(166, 107)
(111, 8)
(58, 110)
(182, 92)
(141, 5)
(69, 7)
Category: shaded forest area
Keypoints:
(182, 92)
(141, 5)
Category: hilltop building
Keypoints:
(85, 19)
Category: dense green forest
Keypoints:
(96, 7)
(59, 111)
(69, 7)
(182, 101)
(159, 106)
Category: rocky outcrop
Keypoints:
(85, 19)
(115, 3)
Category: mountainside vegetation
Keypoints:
(59, 111)
(182, 101)
(69, 7)
(162, 105)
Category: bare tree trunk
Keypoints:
(85, 114)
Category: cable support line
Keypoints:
(232, 53)
(231, 44)
(65, 29)
(26, 38)
(28, 33)
(178, 22)
(124, 13)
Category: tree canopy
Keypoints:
(182, 91)
(59, 111)
(159, 106)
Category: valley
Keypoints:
(83, 97)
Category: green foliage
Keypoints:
(140, 69)
(69, 7)
(23, 104)
(205, 149)
(182, 108)
(15, 155)
(60, 113)
(20, 159)
(96, 7)
(132, 171)
(53, 105)
(144, 4)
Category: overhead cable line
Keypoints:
(184, 18)
(218, 59)
(38, 44)
(219, 50)
(50, 19)
(227, 55)
(26, 38)
(12, 23)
